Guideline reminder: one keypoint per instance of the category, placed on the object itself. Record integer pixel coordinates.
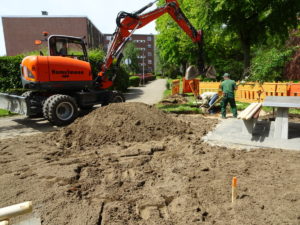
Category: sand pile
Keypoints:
(120, 122)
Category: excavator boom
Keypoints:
(127, 23)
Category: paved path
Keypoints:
(14, 126)
(150, 94)
(21, 125)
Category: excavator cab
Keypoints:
(67, 46)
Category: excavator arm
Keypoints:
(127, 23)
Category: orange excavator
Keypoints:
(62, 82)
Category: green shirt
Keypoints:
(228, 87)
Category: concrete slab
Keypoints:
(229, 133)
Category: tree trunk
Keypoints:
(246, 51)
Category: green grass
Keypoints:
(294, 111)
(5, 113)
(180, 108)
(242, 105)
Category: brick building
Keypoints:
(145, 43)
(20, 32)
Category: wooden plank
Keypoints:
(252, 112)
(245, 111)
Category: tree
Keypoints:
(130, 59)
(232, 30)
(176, 49)
(253, 21)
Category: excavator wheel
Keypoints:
(62, 109)
(114, 97)
(46, 106)
(35, 101)
(117, 97)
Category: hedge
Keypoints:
(134, 81)
(10, 72)
(147, 77)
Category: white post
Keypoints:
(282, 123)
(143, 67)
(15, 210)
(4, 222)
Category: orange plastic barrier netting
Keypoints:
(247, 92)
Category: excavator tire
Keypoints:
(46, 107)
(35, 100)
(62, 110)
(117, 97)
(114, 97)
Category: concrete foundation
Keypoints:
(232, 133)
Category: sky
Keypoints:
(102, 13)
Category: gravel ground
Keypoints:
(132, 164)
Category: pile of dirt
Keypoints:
(130, 122)
(174, 99)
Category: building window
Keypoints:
(149, 46)
(149, 53)
(108, 38)
(149, 38)
(149, 61)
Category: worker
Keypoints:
(228, 87)
(64, 50)
(208, 99)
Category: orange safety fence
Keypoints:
(295, 90)
(246, 92)
(209, 87)
(187, 88)
(194, 85)
(175, 87)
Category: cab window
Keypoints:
(67, 47)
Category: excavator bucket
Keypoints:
(14, 103)
(191, 73)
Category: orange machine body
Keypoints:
(44, 72)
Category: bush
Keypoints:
(96, 58)
(121, 83)
(268, 64)
(134, 81)
(10, 72)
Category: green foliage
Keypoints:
(231, 30)
(130, 59)
(96, 58)
(268, 64)
(5, 113)
(134, 81)
(10, 72)
(121, 82)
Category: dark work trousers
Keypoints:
(224, 103)
(211, 102)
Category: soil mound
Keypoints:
(120, 122)
(174, 99)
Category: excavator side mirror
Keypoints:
(37, 42)
(45, 33)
